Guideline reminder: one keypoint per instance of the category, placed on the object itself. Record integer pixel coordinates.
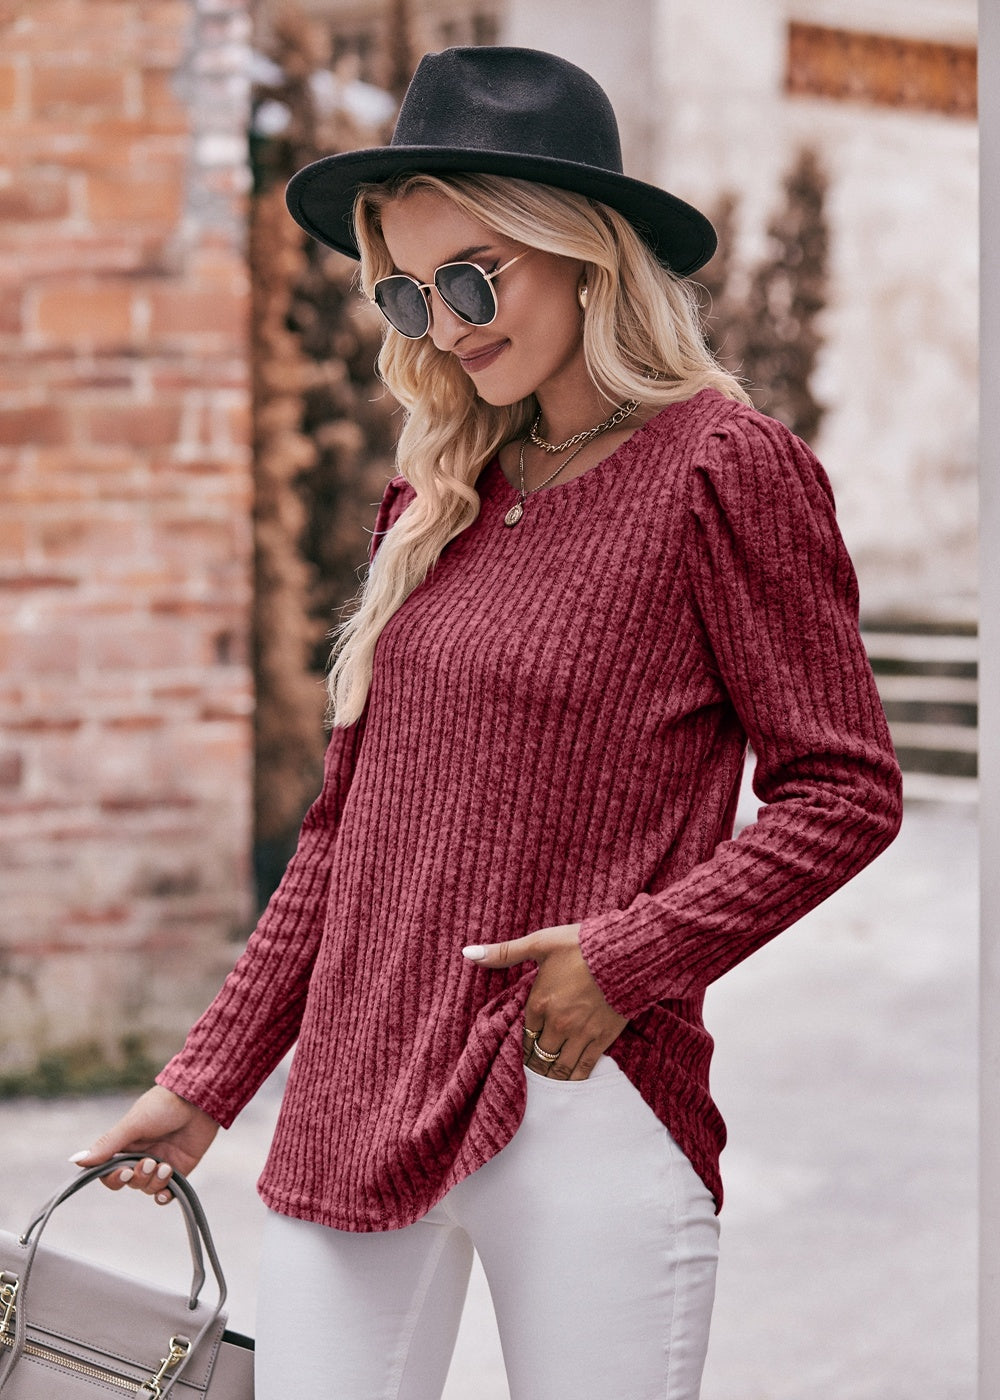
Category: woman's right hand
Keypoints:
(173, 1132)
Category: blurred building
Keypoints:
(126, 485)
(716, 96)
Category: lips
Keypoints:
(482, 359)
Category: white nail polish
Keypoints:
(78, 1157)
(126, 1175)
(163, 1171)
(474, 953)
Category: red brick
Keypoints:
(205, 466)
(80, 382)
(177, 311)
(70, 27)
(163, 108)
(8, 86)
(75, 90)
(34, 197)
(168, 693)
(102, 252)
(99, 314)
(165, 29)
(82, 461)
(162, 15)
(238, 423)
(10, 313)
(45, 724)
(234, 707)
(32, 144)
(135, 722)
(11, 769)
(115, 196)
(148, 802)
(43, 423)
(34, 582)
(94, 540)
(137, 425)
(95, 916)
(44, 652)
(206, 540)
(30, 492)
(131, 645)
(108, 142)
(13, 540)
(194, 373)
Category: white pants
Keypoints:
(598, 1241)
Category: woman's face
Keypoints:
(536, 341)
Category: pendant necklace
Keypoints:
(517, 510)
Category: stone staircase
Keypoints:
(927, 675)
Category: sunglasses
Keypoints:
(464, 287)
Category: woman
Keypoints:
(597, 575)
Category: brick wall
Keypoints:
(125, 544)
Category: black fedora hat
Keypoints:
(503, 111)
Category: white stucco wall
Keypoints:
(611, 41)
(898, 371)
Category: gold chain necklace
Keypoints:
(517, 510)
(619, 415)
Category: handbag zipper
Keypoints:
(179, 1348)
(80, 1367)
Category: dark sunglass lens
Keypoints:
(403, 305)
(465, 289)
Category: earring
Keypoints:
(582, 294)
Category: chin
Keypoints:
(498, 399)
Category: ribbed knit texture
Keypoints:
(555, 733)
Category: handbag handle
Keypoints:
(191, 1208)
(197, 1229)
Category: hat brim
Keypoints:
(321, 196)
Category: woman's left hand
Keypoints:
(567, 1023)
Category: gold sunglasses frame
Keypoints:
(433, 286)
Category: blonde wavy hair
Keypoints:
(642, 340)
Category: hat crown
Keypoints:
(517, 114)
(519, 101)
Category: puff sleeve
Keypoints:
(776, 595)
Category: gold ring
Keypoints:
(547, 1057)
(532, 1035)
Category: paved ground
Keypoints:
(846, 1071)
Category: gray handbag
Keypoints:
(74, 1330)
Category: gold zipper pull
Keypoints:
(179, 1348)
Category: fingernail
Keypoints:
(474, 953)
(162, 1197)
(78, 1157)
(126, 1174)
(163, 1170)
(147, 1165)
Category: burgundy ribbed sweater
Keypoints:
(555, 733)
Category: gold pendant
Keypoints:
(514, 514)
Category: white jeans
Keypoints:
(597, 1238)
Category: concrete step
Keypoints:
(943, 738)
(947, 690)
(929, 686)
(919, 648)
